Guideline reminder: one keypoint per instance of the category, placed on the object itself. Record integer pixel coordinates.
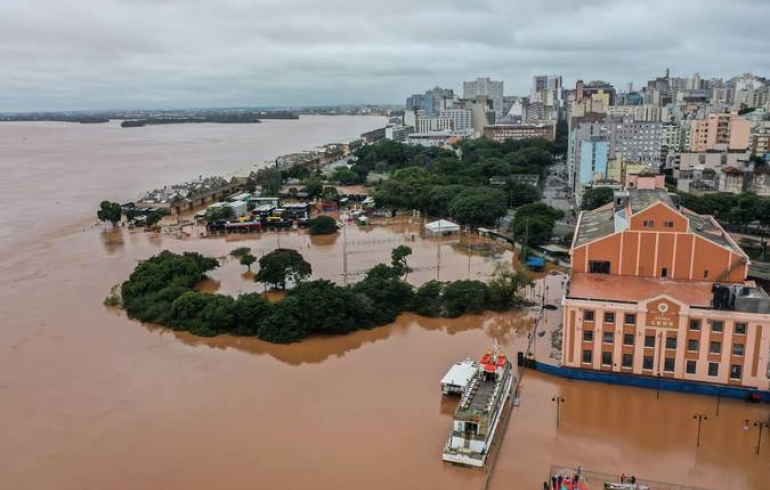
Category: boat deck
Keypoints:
(479, 399)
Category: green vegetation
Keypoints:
(735, 210)
(161, 290)
(247, 259)
(596, 197)
(322, 225)
(240, 252)
(534, 223)
(220, 213)
(398, 258)
(109, 211)
(478, 205)
(345, 176)
(282, 265)
(439, 183)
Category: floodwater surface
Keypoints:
(91, 400)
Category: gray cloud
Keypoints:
(74, 54)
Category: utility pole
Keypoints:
(345, 255)
(558, 400)
(438, 253)
(700, 418)
(759, 424)
(719, 399)
(469, 252)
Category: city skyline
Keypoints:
(179, 54)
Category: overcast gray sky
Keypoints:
(95, 54)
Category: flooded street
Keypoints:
(92, 400)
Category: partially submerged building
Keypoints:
(659, 292)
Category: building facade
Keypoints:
(502, 132)
(659, 291)
(485, 87)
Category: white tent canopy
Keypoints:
(441, 227)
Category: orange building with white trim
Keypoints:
(658, 290)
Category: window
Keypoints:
(630, 319)
(664, 272)
(588, 356)
(738, 349)
(588, 315)
(715, 348)
(668, 224)
(694, 324)
(740, 328)
(647, 362)
(717, 326)
(606, 358)
(736, 371)
(670, 342)
(609, 317)
(608, 337)
(693, 345)
(668, 365)
(628, 360)
(713, 369)
(649, 341)
(588, 335)
(648, 223)
(599, 267)
(691, 366)
(628, 339)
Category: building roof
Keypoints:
(641, 199)
(636, 288)
(442, 225)
(595, 224)
(601, 222)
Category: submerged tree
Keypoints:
(109, 211)
(247, 259)
(398, 258)
(282, 265)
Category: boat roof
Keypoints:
(460, 373)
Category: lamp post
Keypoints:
(700, 418)
(558, 400)
(759, 424)
(657, 394)
(719, 399)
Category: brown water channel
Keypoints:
(92, 400)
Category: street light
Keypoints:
(760, 425)
(558, 400)
(700, 418)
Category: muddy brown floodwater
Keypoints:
(92, 400)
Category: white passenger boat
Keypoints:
(480, 409)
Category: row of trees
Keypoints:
(736, 210)
(161, 290)
(441, 183)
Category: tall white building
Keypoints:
(461, 118)
(491, 89)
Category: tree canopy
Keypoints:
(478, 206)
(596, 197)
(220, 213)
(109, 211)
(534, 223)
(428, 179)
(282, 265)
(161, 290)
(322, 225)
